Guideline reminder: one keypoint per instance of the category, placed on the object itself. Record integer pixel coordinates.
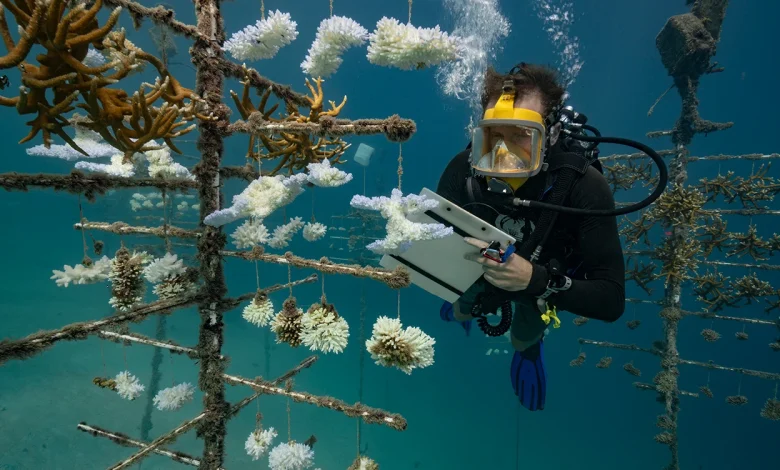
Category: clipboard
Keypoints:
(438, 266)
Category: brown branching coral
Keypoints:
(642, 274)
(750, 244)
(771, 409)
(710, 335)
(715, 236)
(711, 289)
(579, 360)
(679, 205)
(706, 391)
(67, 38)
(678, 259)
(750, 287)
(751, 190)
(737, 400)
(294, 151)
(604, 363)
(631, 369)
(633, 324)
(633, 231)
(287, 323)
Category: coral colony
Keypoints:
(691, 233)
(130, 138)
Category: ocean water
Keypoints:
(461, 411)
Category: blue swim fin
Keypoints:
(447, 314)
(529, 378)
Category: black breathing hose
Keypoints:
(663, 177)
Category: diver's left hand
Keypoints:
(512, 275)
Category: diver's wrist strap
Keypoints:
(552, 290)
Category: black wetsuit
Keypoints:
(588, 248)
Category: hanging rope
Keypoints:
(83, 235)
(331, 7)
(400, 164)
(262, 9)
(166, 222)
(410, 11)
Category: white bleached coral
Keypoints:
(263, 196)
(324, 330)
(314, 231)
(88, 140)
(127, 386)
(392, 346)
(162, 165)
(117, 167)
(409, 47)
(259, 441)
(249, 234)
(259, 312)
(291, 456)
(363, 463)
(162, 268)
(334, 36)
(172, 398)
(159, 162)
(324, 175)
(264, 39)
(401, 232)
(284, 233)
(81, 274)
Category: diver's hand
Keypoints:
(512, 275)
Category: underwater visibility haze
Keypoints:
(207, 207)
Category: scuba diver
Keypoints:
(532, 171)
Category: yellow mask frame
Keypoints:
(504, 112)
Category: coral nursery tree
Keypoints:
(73, 68)
(694, 247)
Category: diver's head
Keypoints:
(519, 124)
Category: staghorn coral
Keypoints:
(287, 323)
(295, 151)
(679, 205)
(750, 244)
(66, 34)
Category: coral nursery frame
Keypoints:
(212, 68)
